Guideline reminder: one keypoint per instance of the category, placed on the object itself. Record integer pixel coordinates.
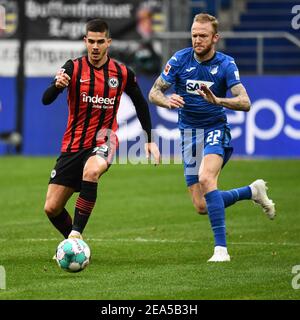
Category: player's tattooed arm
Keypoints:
(239, 102)
(157, 96)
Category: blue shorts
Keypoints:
(197, 143)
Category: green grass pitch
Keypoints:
(146, 240)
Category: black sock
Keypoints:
(84, 205)
(62, 222)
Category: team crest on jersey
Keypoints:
(113, 82)
(214, 69)
(167, 69)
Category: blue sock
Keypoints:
(232, 196)
(216, 214)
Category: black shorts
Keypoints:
(68, 170)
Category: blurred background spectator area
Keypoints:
(38, 36)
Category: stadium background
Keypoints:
(146, 240)
(262, 36)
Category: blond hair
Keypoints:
(205, 17)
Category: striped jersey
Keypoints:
(93, 100)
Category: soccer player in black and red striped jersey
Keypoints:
(95, 84)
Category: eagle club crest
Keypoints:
(113, 82)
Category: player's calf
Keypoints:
(200, 208)
(61, 221)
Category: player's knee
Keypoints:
(93, 174)
(206, 182)
(51, 210)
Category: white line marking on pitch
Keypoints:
(142, 240)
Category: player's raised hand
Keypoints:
(62, 79)
(176, 101)
(207, 94)
(152, 149)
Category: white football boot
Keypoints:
(259, 196)
(75, 235)
(220, 255)
(72, 235)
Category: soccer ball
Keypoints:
(73, 255)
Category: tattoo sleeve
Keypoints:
(156, 94)
(240, 100)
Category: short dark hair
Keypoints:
(98, 25)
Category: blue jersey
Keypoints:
(187, 74)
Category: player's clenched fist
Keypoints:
(62, 79)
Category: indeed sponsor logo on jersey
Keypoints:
(98, 101)
(193, 85)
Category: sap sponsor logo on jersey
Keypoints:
(98, 101)
(193, 85)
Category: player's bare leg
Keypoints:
(56, 199)
(197, 197)
(93, 169)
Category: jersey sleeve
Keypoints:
(52, 92)
(67, 68)
(232, 74)
(141, 106)
(171, 69)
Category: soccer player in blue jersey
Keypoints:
(201, 77)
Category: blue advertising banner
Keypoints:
(7, 108)
(270, 129)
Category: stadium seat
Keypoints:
(280, 55)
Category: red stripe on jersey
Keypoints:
(93, 98)
(69, 133)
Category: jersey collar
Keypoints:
(206, 61)
(97, 68)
